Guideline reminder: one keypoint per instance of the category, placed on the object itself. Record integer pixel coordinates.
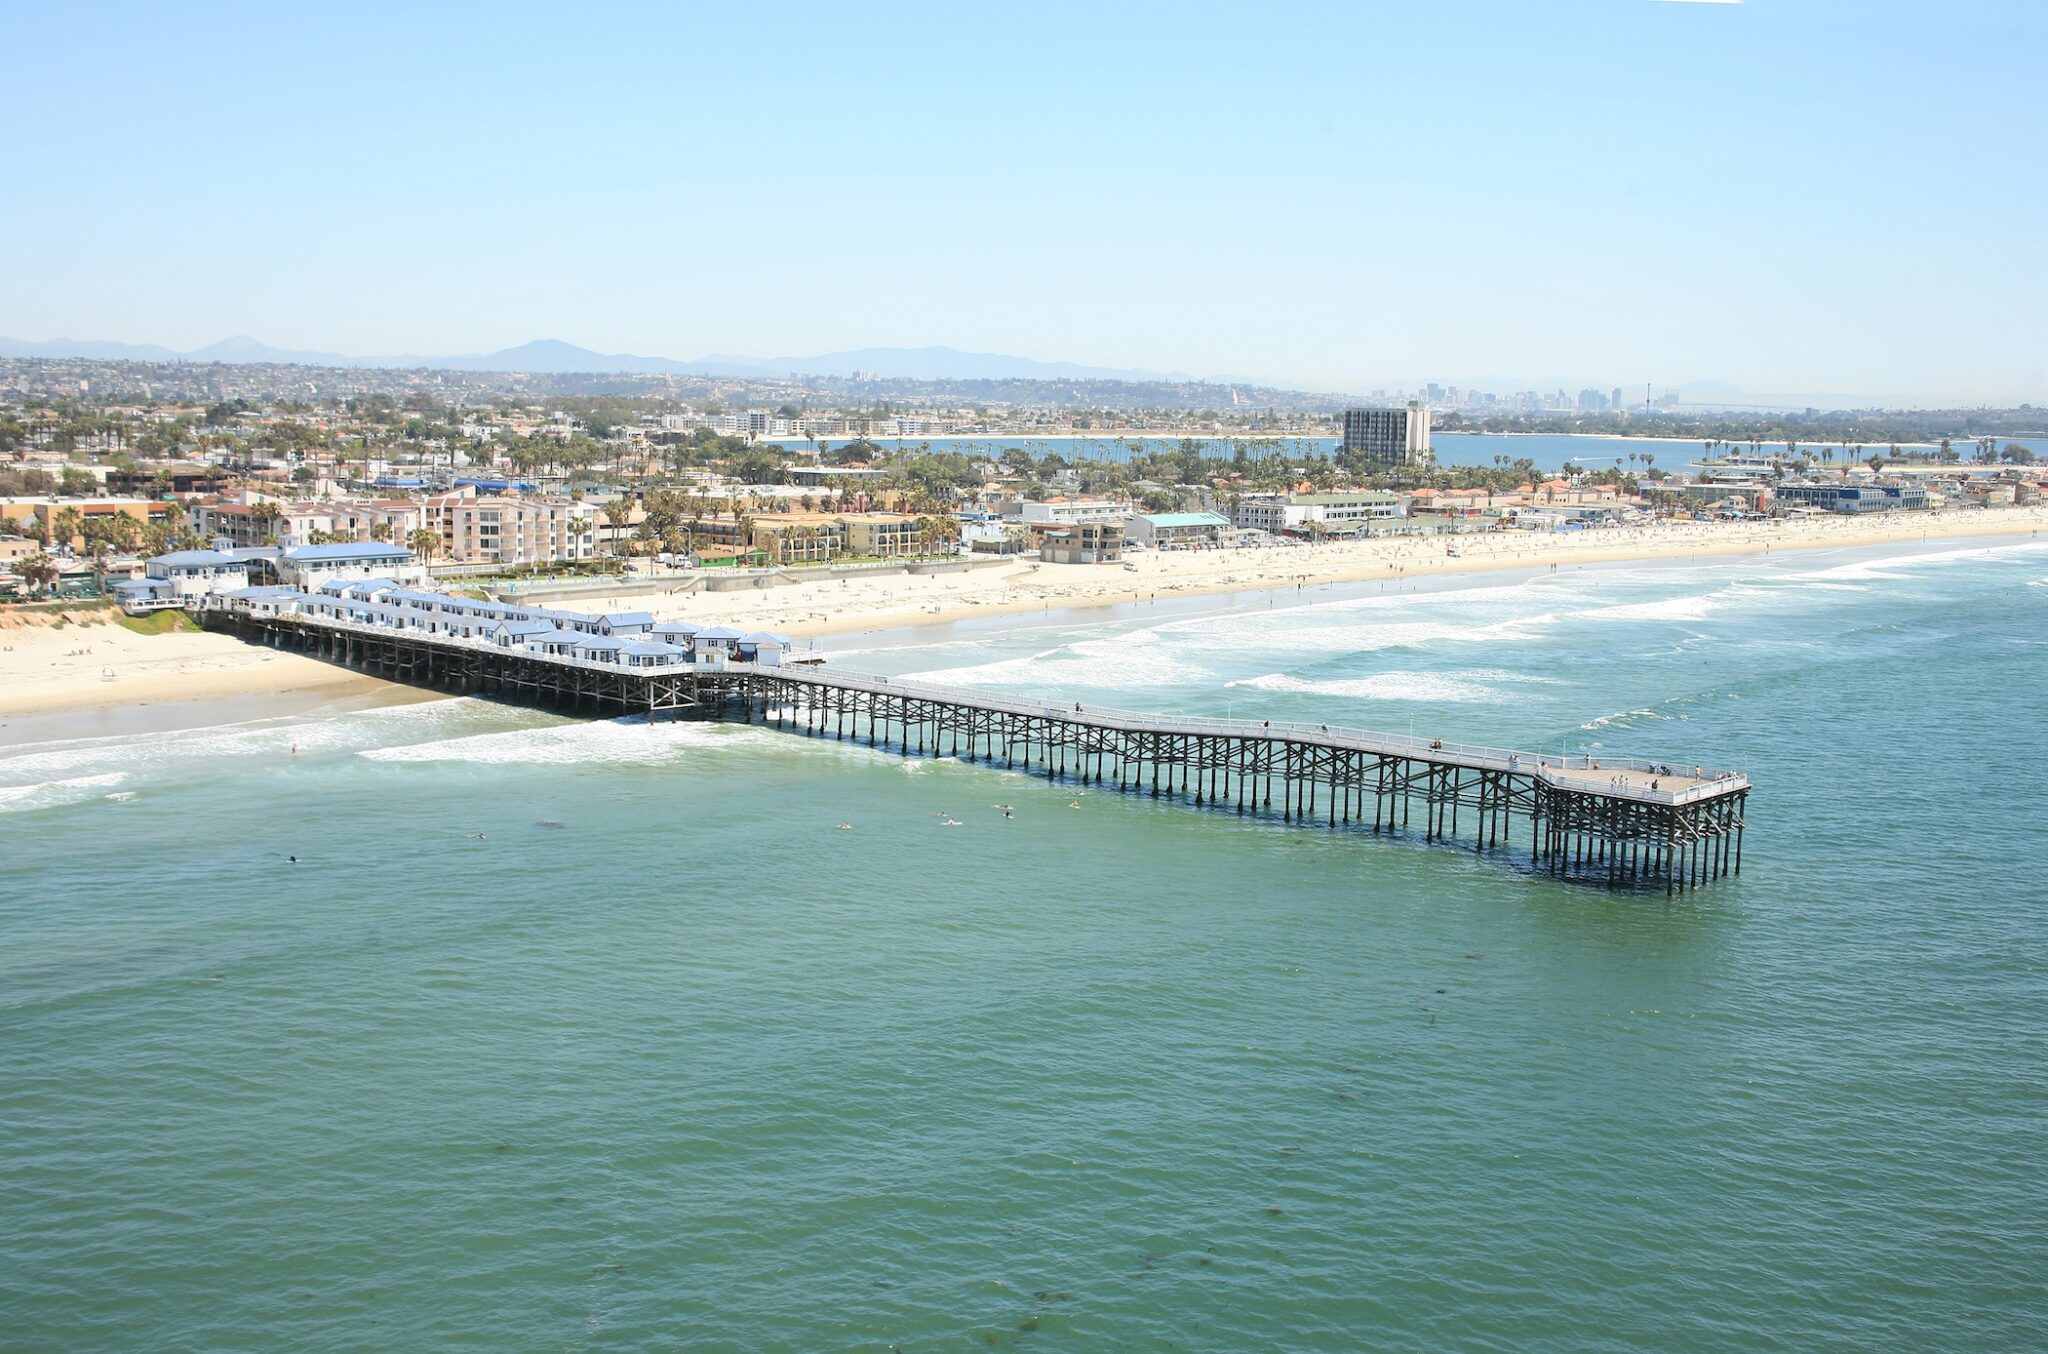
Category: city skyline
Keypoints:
(1800, 200)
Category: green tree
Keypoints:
(39, 571)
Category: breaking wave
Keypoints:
(622, 742)
(52, 794)
(1384, 686)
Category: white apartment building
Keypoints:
(1292, 513)
(250, 523)
(1074, 510)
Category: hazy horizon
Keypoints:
(1779, 198)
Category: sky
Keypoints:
(1811, 195)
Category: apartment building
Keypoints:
(504, 530)
(888, 535)
(250, 523)
(1285, 514)
(1072, 510)
(1387, 437)
(815, 537)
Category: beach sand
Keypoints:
(45, 670)
(842, 606)
(102, 667)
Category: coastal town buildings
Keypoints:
(252, 520)
(42, 517)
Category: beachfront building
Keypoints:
(984, 533)
(1068, 510)
(183, 578)
(310, 566)
(1082, 543)
(1852, 498)
(490, 529)
(1387, 437)
(623, 639)
(1177, 530)
(251, 520)
(795, 538)
(1299, 514)
(885, 535)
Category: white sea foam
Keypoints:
(269, 738)
(599, 742)
(1624, 719)
(1888, 566)
(1384, 686)
(1694, 608)
(53, 793)
(1141, 658)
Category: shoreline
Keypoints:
(892, 602)
(85, 675)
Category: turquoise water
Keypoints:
(664, 1059)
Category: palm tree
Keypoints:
(265, 517)
(39, 571)
(64, 526)
(424, 543)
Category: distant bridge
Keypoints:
(1616, 820)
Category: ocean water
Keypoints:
(606, 1036)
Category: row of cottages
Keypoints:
(623, 638)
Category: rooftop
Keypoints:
(363, 550)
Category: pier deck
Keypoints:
(1618, 820)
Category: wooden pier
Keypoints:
(1590, 819)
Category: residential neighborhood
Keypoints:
(93, 490)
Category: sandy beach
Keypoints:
(45, 670)
(843, 606)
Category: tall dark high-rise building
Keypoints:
(1388, 437)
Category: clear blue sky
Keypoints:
(1835, 195)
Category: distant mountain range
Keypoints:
(554, 357)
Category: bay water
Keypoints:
(460, 1026)
(1549, 451)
